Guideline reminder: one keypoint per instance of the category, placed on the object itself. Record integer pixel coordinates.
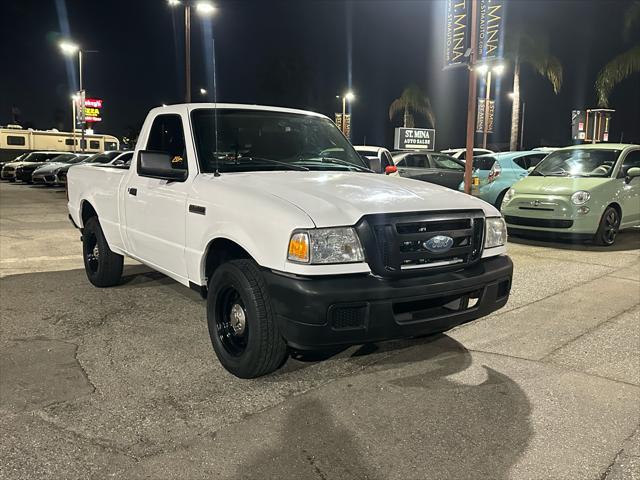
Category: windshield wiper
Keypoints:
(342, 162)
(275, 162)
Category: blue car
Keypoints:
(498, 171)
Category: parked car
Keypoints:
(585, 191)
(430, 167)
(498, 172)
(47, 173)
(18, 158)
(10, 170)
(292, 247)
(379, 159)
(105, 159)
(461, 153)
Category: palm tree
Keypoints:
(623, 65)
(412, 100)
(531, 48)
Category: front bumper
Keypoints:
(24, 175)
(554, 215)
(7, 174)
(346, 310)
(44, 178)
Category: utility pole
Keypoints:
(471, 104)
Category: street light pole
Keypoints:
(204, 8)
(487, 97)
(471, 101)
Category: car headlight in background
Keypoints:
(508, 196)
(495, 232)
(325, 246)
(580, 197)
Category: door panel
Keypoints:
(155, 209)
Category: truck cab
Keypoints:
(273, 216)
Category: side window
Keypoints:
(95, 144)
(463, 155)
(69, 141)
(16, 140)
(441, 161)
(521, 162)
(535, 159)
(109, 145)
(402, 162)
(167, 135)
(417, 161)
(631, 160)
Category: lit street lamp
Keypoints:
(485, 70)
(69, 48)
(203, 8)
(347, 97)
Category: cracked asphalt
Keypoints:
(122, 382)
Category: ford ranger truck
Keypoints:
(295, 243)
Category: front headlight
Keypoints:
(508, 196)
(325, 246)
(580, 197)
(495, 232)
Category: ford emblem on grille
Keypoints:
(438, 244)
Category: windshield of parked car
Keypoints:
(583, 162)
(249, 140)
(483, 163)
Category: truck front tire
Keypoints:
(103, 267)
(242, 324)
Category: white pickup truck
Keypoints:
(274, 218)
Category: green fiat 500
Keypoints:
(585, 191)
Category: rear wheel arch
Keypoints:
(87, 211)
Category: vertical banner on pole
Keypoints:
(490, 29)
(457, 37)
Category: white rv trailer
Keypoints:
(14, 140)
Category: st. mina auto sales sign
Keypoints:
(458, 30)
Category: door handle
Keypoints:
(133, 191)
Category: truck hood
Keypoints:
(557, 185)
(336, 198)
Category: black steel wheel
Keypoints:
(102, 266)
(608, 228)
(231, 321)
(242, 324)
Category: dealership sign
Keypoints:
(414, 139)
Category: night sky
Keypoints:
(300, 54)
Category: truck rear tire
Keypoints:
(242, 325)
(103, 267)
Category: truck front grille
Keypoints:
(397, 245)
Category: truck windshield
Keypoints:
(583, 162)
(249, 140)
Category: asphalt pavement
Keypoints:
(123, 383)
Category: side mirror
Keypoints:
(389, 169)
(160, 165)
(632, 173)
